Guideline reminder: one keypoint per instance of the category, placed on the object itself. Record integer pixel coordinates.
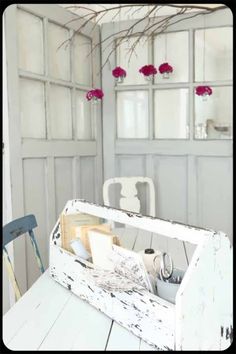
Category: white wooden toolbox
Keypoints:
(201, 318)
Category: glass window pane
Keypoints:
(171, 114)
(60, 112)
(83, 117)
(32, 109)
(132, 63)
(132, 114)
(213, 115)
(218, 56)
(30, 42)
(59, 58)
(172, 48)
(83, 60)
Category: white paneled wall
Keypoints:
(59, 151)
(148, 127)
(215, 197)
(192, 176)
(35, 197)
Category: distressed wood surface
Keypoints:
(63, 268)
(84, 319)
(204, 300)
(178, 327)
(26, 315)
(144, 314)
(169, 228)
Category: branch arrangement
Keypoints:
(153, 24)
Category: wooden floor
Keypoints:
(50, 317)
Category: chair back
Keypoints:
(11, 231)
(129, 199)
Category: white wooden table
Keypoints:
(50, 317)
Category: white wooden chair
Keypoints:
(129, 199)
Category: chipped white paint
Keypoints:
(201, 319)
(204, 300)
(144, 314)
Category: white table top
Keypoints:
(50, 317)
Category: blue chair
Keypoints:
(11, 231)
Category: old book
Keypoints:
(70, 223)
(82, 233)
(101, 246)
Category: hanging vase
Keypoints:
(166, 75)
(119, 79)
(94, 100)
(149, 78)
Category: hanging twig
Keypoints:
(153, 25)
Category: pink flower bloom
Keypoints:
(118, 72)
(97, 93)
(147, 70)
(203, 90)
(165, 68)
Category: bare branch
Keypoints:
(152, 23)
(197, 7)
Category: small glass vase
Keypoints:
(119, 79)
(166, 75)
(94, 100)
(149, 78)
(204, 97)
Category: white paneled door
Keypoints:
(55, 133)
(161, 129)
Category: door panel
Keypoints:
(32, 104)
(35, 202)
(87, 178)
(48, 119)
(60, 112)
(30, 42)
(63, 181)
(214, 193)
(192, 176)
(170, 178)
(59, 60)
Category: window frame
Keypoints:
(190, 85)
(47, 79)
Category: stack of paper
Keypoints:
(82, 233)
(69, 223)
(101, 246)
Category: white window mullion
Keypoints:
(73, 91)
(191, 85)
(47, 84)
(150, 93)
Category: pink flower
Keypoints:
(147, 70)
(97, 93)
(203, 90)
(118, 72)
(165, 68)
